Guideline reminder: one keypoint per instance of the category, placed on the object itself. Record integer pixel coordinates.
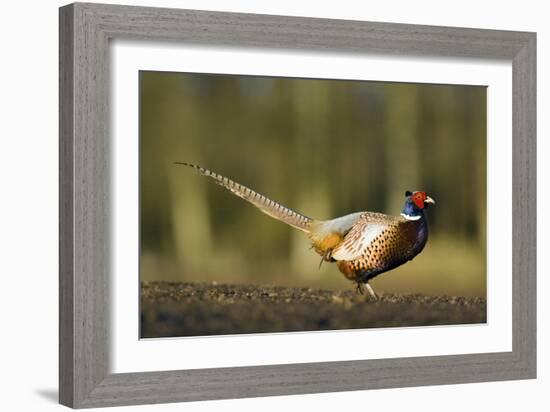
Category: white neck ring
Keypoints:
(409, 217)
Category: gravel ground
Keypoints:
(198, 309)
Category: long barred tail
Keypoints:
(266, 205)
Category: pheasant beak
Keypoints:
(429, 200)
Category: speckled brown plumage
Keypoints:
(393, 241)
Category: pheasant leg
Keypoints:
(326, 257)
(371, 291)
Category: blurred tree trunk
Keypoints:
(311, 149)
(402, 153)
(191, 223)
(478, 104)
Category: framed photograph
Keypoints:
(256, 205)
(207, 260)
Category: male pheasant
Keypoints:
(363, 244)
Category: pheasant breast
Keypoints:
(378, 243)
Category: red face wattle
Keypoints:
(418, 198)
(421, 200)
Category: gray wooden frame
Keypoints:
(85, 31)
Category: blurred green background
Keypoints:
(325, 148)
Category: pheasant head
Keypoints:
(415, 203)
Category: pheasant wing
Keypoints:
(359, 238)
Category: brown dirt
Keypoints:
(198, 309)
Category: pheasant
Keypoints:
(363, 244)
